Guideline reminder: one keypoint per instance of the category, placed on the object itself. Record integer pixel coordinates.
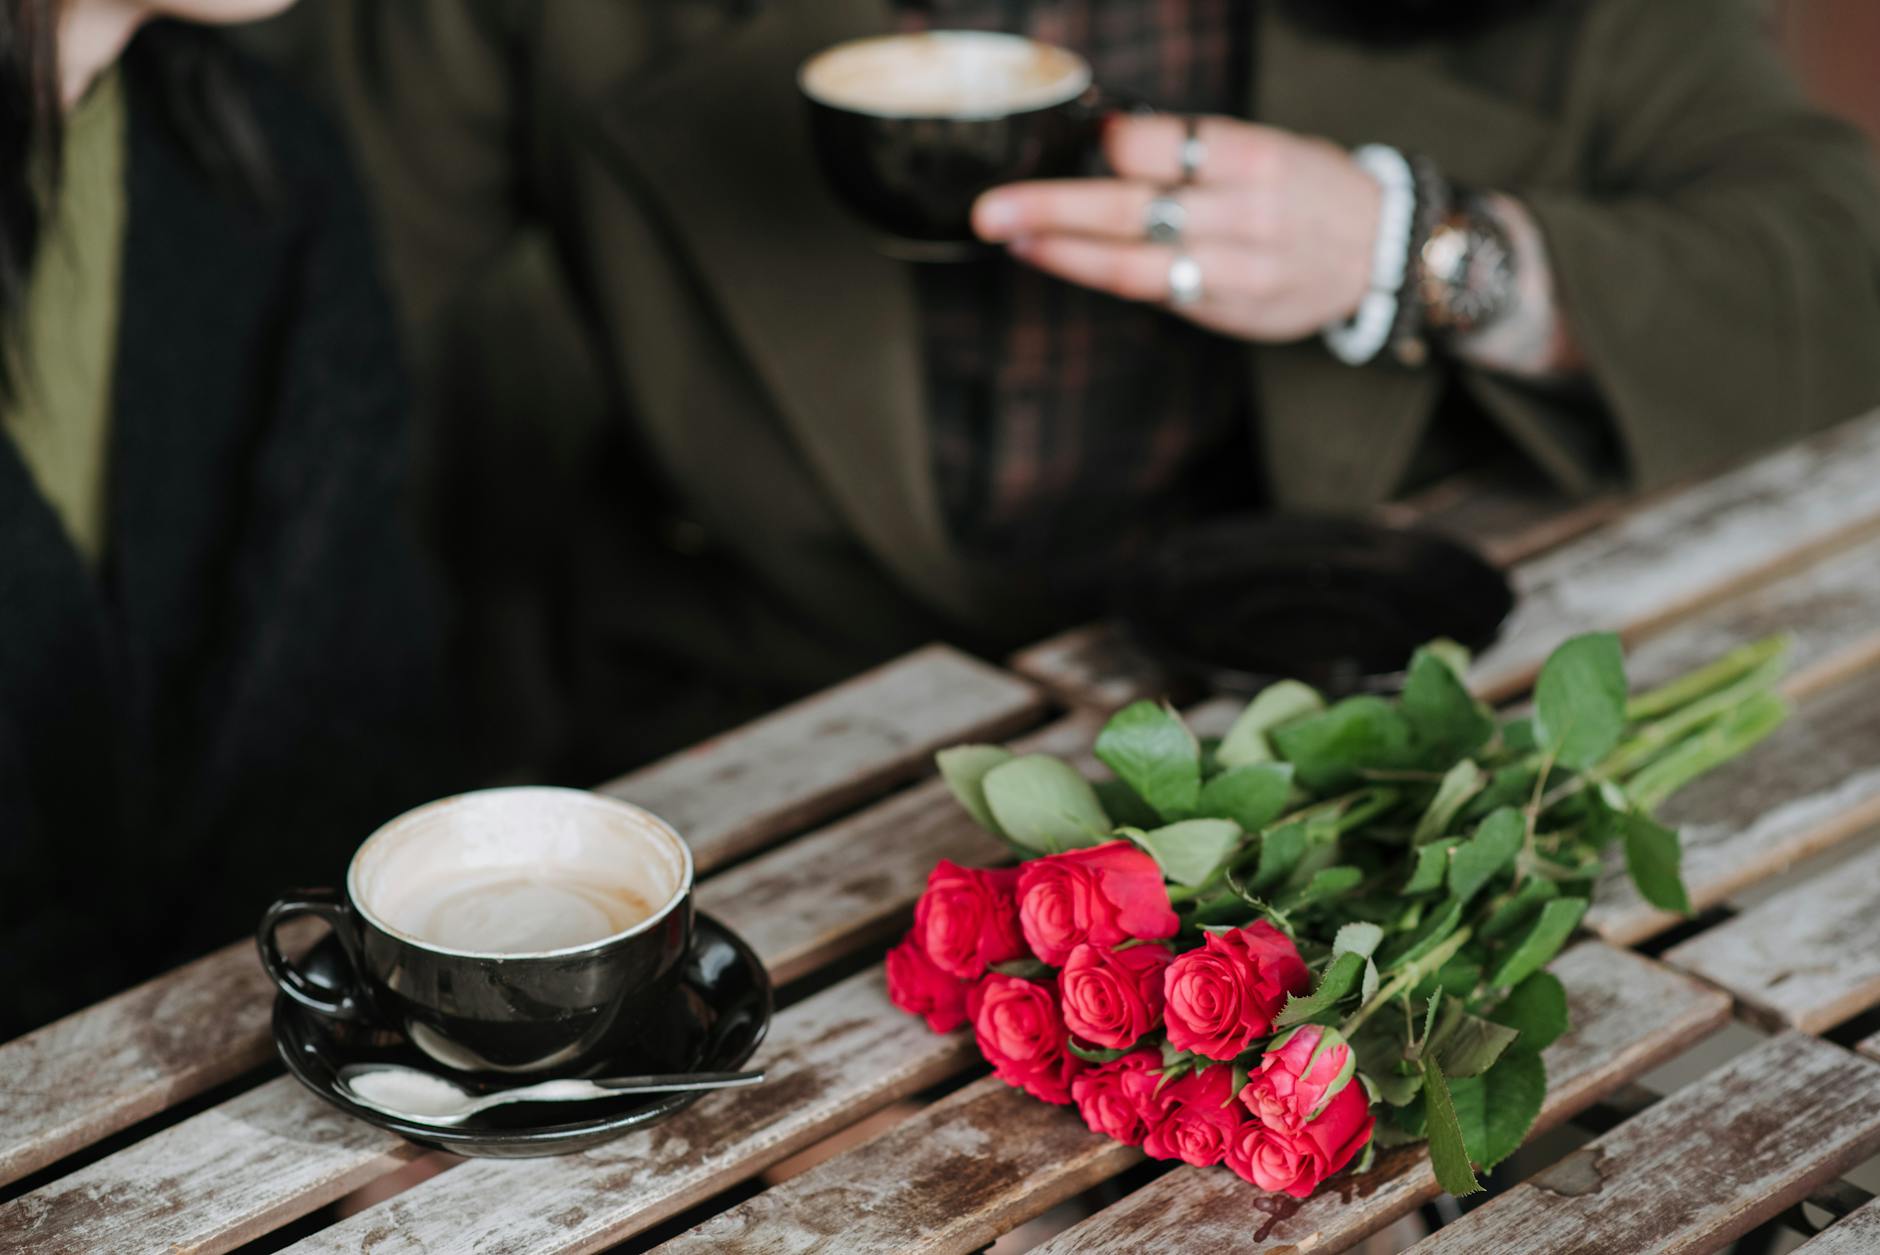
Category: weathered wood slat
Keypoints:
(98, 1071)
(1704, 1166)
(969, 1168)
(832, 1059)
(1685, 551)
(88, 1075)
(993, 1156)
(1807, 958)
(829, 751)
(1812, 785)
(1091, 667)
(1857, 1233)
(1629, 1014)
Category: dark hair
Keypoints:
(187, 74)
(1403, 21)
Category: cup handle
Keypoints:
(331, 907)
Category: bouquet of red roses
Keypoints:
(1196, 952)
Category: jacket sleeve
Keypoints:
(1722, 275)
(431, 90)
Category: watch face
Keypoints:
(1469, 268)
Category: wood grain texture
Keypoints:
(952, 1179)
(828, 752)
(1704, 1166)
(1686, 551)
(831, 1060)
(1629, 1014)
(1807, 958)
(102, 1069)
(1090, 668)
(1813, 784)
(1857, 1233)
(1510, 514)
(210, 1183)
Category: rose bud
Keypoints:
(1112, 997)
(967, 920)
(1110, 1096)
(1102, 895)
(1197, 1118)
(1294, 1162)
(1022, 1035)
(919, 988)
(1225, 994)
(1286, 1093)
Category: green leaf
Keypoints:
(1471, 1044)
(1457, 978)
(1332, 882)
(1432, 866)
(1149, 748)
(1420, 943)
(964, 768)
(1330, 749)
(1462, 782)
(1449, 1153)
(1653, 856)
(1123, 806)
(1280, 852)
(1337, 982)
(1252, 796)
(1519, 909)
(1540, 943)
(1095, 1054)
(1276, 706)
(1394, 1088)
(1517, 736)
(1448, 722)
(1579, 700)
(1191, 851)
(1042, 804)
(1357, 938)
(1496, 1109)
(1452, 654)
(1495, 843)
(1026, 968)
(1537, 1009)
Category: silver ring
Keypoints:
(1164, 220)
(1184, 281)
(1194, 150)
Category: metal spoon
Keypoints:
(414, 1094)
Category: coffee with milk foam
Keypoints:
(945, 74)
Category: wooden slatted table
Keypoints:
(814, 830)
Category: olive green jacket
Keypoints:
(1716, 244)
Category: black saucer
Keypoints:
(725, 986)
(1338, 603)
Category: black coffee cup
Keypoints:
(511, 931)
(911, 129)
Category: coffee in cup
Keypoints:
(911, 129)
(519, 930)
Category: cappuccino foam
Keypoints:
(944, 74)
(519, 871)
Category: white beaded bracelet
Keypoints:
(1363, 336)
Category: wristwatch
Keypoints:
(1467, 271)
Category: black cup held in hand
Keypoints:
(511, 931)
(911, 129)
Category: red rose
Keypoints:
(1102, 895)
(967, 920)
(1021, 1034)
(1111, 1097)
(1112, 997)
(1197, 1118)
(1295, 1162)
(1223, 995)
(919, 988)
(1285, 1093)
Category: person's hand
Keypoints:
(1282, 227)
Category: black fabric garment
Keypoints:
(251, 681)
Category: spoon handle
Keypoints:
(610, 1086)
